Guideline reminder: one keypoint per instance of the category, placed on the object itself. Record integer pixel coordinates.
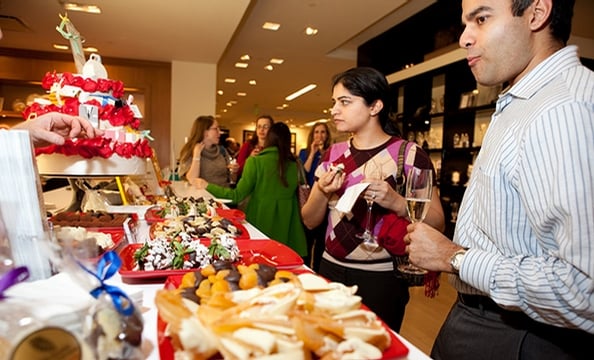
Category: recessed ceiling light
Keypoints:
(280, 108)
(270, 26)
(269, 67)
(220, 92)
(245, 57)
(310, 31)
(224, 110)
(230, 80)
(241, 94)
(233, 102)
(229, 104)
(241, 65)
(277, 61)
(91, 9)
(300, 92)
(61, 47)
(252, 82)
(91, 49)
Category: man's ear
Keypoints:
(540, 13)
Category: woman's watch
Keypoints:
(456, 260)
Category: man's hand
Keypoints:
(428, 248)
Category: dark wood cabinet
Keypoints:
(445, 111)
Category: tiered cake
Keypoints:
(122, 150)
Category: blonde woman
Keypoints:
(318, 141)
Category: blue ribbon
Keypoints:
(108, 265)
(13, 277)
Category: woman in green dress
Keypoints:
(270, 179)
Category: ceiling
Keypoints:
(221, 31)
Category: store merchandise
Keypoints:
(123, 148)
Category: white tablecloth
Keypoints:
(61, 198)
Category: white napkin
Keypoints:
(347, 200)
(60, 300)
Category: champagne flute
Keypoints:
(372, 171)
(419, 189)
(233, 167)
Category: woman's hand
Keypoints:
(380, 192)
(256, 150)
(199, 183)
(197, 153)
(315, 146)
(331, 181)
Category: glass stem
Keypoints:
(368, 225)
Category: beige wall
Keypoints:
(193, 91)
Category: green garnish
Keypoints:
(179, 254)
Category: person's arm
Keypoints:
(314, 210)
(245, 185)
(244, 153)
(307, 163)
(194, 170)
(55, 128)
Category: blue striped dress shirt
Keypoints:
(528, 213)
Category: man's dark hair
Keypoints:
(560, 20)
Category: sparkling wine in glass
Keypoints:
(372, 171)
(419, 190)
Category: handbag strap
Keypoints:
(400, 178)
(301, 177)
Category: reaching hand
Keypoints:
(55, 128)
(199, 183)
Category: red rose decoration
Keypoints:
(121, 116)
(78, 81)
(69, 148)
(89, 85)
(48, 80)
(117, 89)
(45, 150)
(103, 85)
(105, 151)
(71, 106)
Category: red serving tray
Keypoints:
(264, 251)
(396, 350)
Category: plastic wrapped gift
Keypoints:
(113, 326)
(24, 334)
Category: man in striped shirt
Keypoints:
(522, 256)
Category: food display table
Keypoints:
(58, 199)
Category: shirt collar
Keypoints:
(544, 72)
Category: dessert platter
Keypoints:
(136, 257)
(258, 311)
(174, 206)
(89, 242)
